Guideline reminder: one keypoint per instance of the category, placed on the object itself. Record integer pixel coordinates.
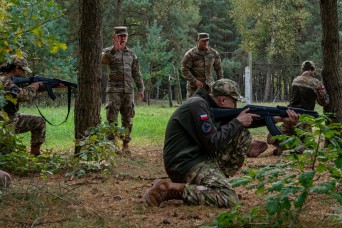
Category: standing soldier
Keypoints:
(22, 122)
(124, 69)
(198, 64)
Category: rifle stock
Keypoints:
(266, 114)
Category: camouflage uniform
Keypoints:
(198, 65)
(306, 89)
(22, 122)
(124, 68)
(201, 152)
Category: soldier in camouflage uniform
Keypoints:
(198, 65)
(124, 69)
(22, 122)
(306, 89)
(199, 153)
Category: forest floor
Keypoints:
(116, 199)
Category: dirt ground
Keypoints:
(116, 199)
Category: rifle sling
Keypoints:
(67, 116)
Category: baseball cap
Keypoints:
(21, 62)
(226, 87)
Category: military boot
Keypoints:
(257, 147)
(163, 190)
(35, 149)
(125, 147)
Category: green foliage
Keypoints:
(270, 26)
(154, 58)
(215, 21)
(97, 151)
(230, 67)
(97, 154)
(307, 169)
(24, 23)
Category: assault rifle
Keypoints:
(48, 83)
(266, 114)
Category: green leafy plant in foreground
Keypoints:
(97, 151)
(304, 170)
(97, 154)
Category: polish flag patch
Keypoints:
(204, 117)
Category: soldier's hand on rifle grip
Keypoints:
(246, 118)
(39, 86)
(60, 85)
(291, 120)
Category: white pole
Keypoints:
(248, 80)
(248, 88)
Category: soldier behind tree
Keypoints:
(306, 90)
(198, 65)
(124, 69)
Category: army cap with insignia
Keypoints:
(226, 87)
(120, 30)
(21, 62)
(203, 36)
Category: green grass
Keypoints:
(148, 126)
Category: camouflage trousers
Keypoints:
(33, 123)
(207, 182)
(122, 103)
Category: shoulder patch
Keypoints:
(204, 117)
(206, 127)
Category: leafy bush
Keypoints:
(97, 151)
(307, 168)
(97, 154)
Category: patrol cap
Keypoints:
(120, 30)
(203, 36)
(226, 87)
(21, 62)
(308, 65)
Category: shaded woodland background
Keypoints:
(280, 34)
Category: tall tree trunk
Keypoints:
(330, 46)
(88, 101)
(169, 91)
(118, 21)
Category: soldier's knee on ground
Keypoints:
(256, 148)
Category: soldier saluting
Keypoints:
(124, 69)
